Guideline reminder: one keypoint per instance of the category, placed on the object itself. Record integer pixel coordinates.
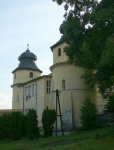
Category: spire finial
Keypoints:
(27, 46)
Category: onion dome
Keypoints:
(27, 54)
(27, 61)
(61, 29)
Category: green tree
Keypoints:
(88, 115)
(16, 125)
(5, 125)
(32, 125)
(24, 125)
(1, 132)
(48, 119)
(89, 34)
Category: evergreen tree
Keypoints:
(4, 126)
(1, 132)
(16, 125)
(24, 125)
(32, 125)
(88, 115)
(48, 119)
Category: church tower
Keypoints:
(27, 70)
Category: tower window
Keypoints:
(63, 84)
(31, 75)
(48, 87)
(59, 52)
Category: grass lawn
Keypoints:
(84, 140)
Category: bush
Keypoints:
(88, 114)
(16, 125)
(1, 133)
(4, 126)
(32, 122)
(48, 119)
(24, 126)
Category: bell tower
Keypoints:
(26, 71)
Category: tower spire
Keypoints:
(27, 46)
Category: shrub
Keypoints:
(16, 125)
(1, 133)
(24, 125)
(6, 122)
(88, 114)
(32, 122)
(48, 119)
(110, 106)
(4, 126)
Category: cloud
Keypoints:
(5, 101)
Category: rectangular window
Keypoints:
(48, 87)
(26, 111)
(17, 97)
(29, 91)
(63, 84)
(26, 91)
(33, 90)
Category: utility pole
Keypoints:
(58, 103)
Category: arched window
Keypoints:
(31, 75)
(59, 52)
(63, 84)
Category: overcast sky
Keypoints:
(22, 22)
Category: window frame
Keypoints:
(63, 84)
(30, 91)
(26, 91)
(31, 74)
(26, 111)
(48, 87)
(59, 52)
(33, 90)
(18, 97)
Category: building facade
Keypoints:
(31, 90)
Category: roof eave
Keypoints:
(55, 45)
(26, 69)
(21, 84)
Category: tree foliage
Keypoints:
(89, 34)
(4, 126)
(32, 122)
(88, 115)
(48, 119)
(16, 125)
(24, 125)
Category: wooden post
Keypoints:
(60, 115)
(56, 110)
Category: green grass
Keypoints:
(99, 139)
